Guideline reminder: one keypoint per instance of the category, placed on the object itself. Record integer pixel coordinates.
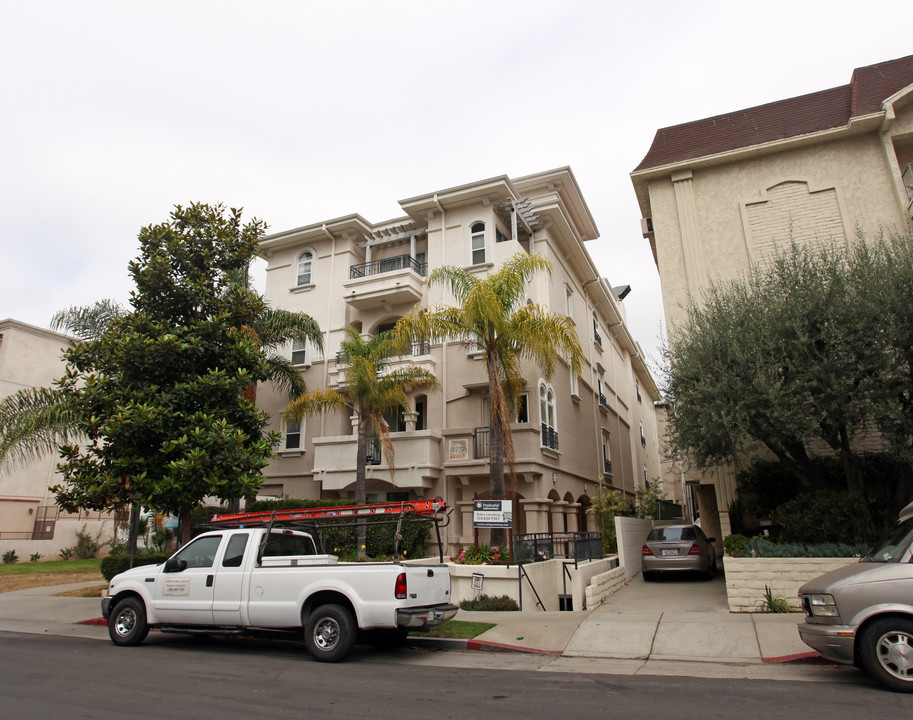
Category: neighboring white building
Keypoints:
(30, 521)
(572, 431)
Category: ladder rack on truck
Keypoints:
(435, 511)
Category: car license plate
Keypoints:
(670, 552)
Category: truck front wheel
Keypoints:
(329, 633)
(127, 622)
(886, 649)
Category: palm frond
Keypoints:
(33, 423)
(285, 375)
(277, 327)
(313, 402)
(88, 322)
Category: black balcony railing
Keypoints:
(607, 467)
(603, 401)
(389, 264)
(374, 455)
(597, 337)
(549, 437)
(480, 437)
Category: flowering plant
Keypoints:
(480, 555)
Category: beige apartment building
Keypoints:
(571, 433)
(719, 195)
(30, 521)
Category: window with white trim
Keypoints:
(305, 262)
(299, 352)
(606, 454)
(637, 389)
(575, 383)
(600, 388)
(568, 301)
(643, 438)
(597, 338)
(292, 436)
(547, 416)
(477, 243)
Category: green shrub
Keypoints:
(67, 553)
(735, 545)
(35, 557)
(10, 557)
(773, 603)
(488, 603)
(117, 563)
(821, 517)
(87, 546)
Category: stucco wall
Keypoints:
(631, 534)
(746, 578)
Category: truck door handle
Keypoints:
(209, 579)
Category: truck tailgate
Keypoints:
(427, 584)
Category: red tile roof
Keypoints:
(802, 115)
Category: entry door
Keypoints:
(185, 597)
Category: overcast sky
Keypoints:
(304, 111)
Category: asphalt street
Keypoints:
(175, 676)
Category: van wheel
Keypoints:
(329, 633)
(886, 649)
(127, 622)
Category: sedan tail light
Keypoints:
(646, 551)
(695, 550)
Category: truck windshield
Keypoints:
(893, 546)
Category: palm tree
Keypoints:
(492, 316)
(369, 390)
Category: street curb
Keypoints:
(796, 658)
(433, 643)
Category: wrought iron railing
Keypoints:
(374, 455)
(389, 264)
(480, 438)
(549, 437)
(603, 400)
(607, 467)
(534, 547)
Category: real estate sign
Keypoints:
(492, 514)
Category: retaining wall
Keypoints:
(746, 578)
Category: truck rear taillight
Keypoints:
(400, 589)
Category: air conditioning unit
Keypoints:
(646, 227)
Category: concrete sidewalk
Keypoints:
(674, 619)
(674, 628)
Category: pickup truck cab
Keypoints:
(240, 581)
(863, 613)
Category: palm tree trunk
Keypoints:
(495, 446)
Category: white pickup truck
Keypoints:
(232, 582)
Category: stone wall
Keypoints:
(603, 585)
(746, 578)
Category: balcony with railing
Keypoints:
(480, 438)
(549, 437)
(607, 467)
(392, 280)
(417, 456)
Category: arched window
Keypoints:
(305, 260)
(547, 415)
(478, 243)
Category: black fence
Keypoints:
(577, 546)
(385, 265)
(480, 438)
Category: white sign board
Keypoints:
(492, 514)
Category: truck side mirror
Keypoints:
(175, 565)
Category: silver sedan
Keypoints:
(678, 548)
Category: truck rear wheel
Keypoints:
(127, 622)
(329, 633)
(886, 649)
